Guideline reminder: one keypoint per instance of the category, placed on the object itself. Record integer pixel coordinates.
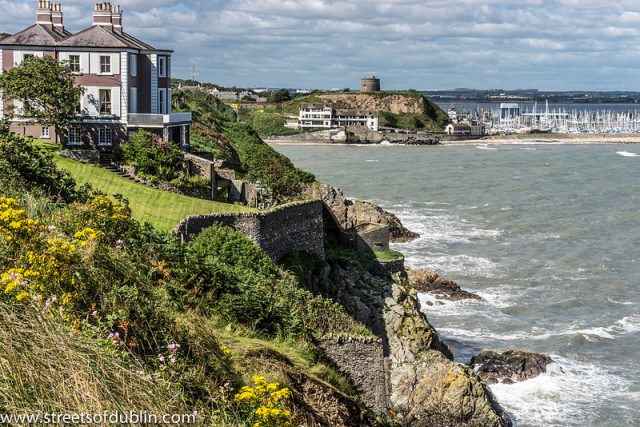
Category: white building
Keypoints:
(326, 117)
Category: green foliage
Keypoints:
(268, 122)
(26, 166)
(47, 89)
(388, 255)
(152, 157)
(281, 95)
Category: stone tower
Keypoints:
(370, 84)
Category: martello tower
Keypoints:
(370, 84)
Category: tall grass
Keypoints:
(45, 367)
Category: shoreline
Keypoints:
(550, 139)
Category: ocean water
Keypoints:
(549, 235)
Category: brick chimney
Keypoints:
(56, 17)
(116, 18)
(102, 15)
(43, 14)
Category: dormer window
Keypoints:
(105, 64)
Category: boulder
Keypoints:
(349, 214)
(510, 366)
(432, 283)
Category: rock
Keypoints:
(349, 214)
(510, 366)
(432, 283)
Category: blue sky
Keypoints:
(437, 44)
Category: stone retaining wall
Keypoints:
(296, 227)
(362, 359)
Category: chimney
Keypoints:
(43, 14)
(56, 17)
(116, 18)
(102, 15)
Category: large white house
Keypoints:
(127, 82)
(323, 116)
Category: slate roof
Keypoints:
(98, 36)
(94, 36)
(35, 35)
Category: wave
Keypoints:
(372, 161)
(564, 395)
(627, 154)
(453, 264)
(485, 147)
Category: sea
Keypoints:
(540, 106)
(548, 235)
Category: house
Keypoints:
(323, 116)
(229, 96)
(473, 128)
(127, 82)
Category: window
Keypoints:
(105, 64)
(74, 63)
(105, 101)
(27, 56)
(162, 101)
(162, 66)
(104, 136)
(133, 65)
(44, 133)
(75, 136)
(133, 100)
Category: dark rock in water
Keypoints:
(431, 282)
(510, 366)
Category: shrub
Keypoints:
(151, 156)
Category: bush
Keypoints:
(25, 166)
(152, 157)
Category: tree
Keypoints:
(47, 90)
(4, 35)
(281, 95)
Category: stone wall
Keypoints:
(296, 227)
(82, 155)
(371, 237)
(362, 359)
(243, 192)
(197, 165)
(389, 267)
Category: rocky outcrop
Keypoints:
(432, 283)
(349, 214)
(510, 366)
(395, 103)
(425, 387)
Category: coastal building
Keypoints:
(509, 111)
(127, 82)
(321, 116)
(370, 84)
(224, 96)
(473, 128)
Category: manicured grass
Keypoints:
(388, 255)
(162, 209)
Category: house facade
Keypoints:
(127, 82)
(326, 117)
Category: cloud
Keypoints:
(549, 44)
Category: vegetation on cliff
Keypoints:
(99, 312)
(216, 130)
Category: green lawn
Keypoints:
(162, 209)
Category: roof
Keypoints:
(94, 36)
(35, 35)
(98, 36)
(310, 105)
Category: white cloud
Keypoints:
(550, 44)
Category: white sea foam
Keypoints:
(453, 264)
(371, 161)
(567, 394)
(485, 147)
(627, 154)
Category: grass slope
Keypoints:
(164, 210)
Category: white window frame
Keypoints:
(71, 64)
(44, 133)
(108, 91)
(74, 136)
(162, 66)
(109, 64)
(133, 64)
(105, 137)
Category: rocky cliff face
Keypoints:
(349, 214)
(424, 386)
(395, 103)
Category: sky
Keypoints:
(420, 44)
